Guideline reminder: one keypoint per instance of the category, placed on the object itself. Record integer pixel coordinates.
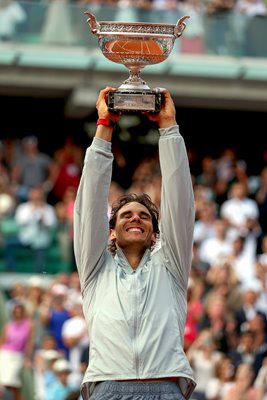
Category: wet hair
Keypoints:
(143, 199)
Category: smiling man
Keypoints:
(134, 300)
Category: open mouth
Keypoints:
(135, 229)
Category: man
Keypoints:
(36, 221)
(135, 300)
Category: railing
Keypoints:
(58, 23)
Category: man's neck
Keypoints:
(133, 257)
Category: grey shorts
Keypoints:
(116, 390)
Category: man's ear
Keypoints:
(153, 239)
(112, 234)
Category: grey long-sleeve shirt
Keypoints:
(136, 317)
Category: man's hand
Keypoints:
(102, 131)
(102, 108)
(167, 115)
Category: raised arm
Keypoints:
(177, 200)
(91, 228)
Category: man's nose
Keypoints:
(135, 217)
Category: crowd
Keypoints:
(222, 27)
(226, 328)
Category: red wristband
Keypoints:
(104, 121)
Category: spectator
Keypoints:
(261, 379)
(239, 210)
(224, 374)
(11, 15)
(16, 346)
(203, 357)
(44, 375)
(215, 250)
(64, 213)
(261, 199)
(67, 168)
(204, 225)
(60, 388)
(32, 169)
(248, 308)
(54, 31)
(54, 313)
(242, 387)
(219, 321)
(36, 220)
(75, 338)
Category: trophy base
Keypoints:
(132, 101)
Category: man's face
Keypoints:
(134, 228)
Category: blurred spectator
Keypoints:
(202, 193)
(252, 346)
(242, 387)
(223, 282)
(248, 309)
(251, 8)
(258, 325)
(11, 15)
(60, 388)
(54, 313)
(261, 379)
(208, 175)
(239, 210)
(16, 294)
(75, 337)
(10, 152)
(74, 289)
(204, 225)
(218, 26)
(68, 162)
(7, 200)
(220, 322)
(214, 250)
(261, 199)
(244, 352)
(203, 357)
(54, 31)
(34, 296)
(243, 259)
(32, 169)
(16, 346)
(261, 274)
(262, 257)
(127, 11)
(36, 220)
(195, 311)
(224, 374)
(64, 212)
(192, 39)
(44, 375)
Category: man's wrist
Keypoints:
(167, 123)
(105, 122)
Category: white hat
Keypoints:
(35, 281)
(59, 289)
(50, 355)
(62, 365)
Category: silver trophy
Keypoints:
(135, 45)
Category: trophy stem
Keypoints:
(134, 82)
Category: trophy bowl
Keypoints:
(135, 45)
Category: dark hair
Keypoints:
(144, 199)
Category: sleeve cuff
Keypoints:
(172, 130)
(101, 144)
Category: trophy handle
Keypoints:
(92, 22)
(180, 26)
